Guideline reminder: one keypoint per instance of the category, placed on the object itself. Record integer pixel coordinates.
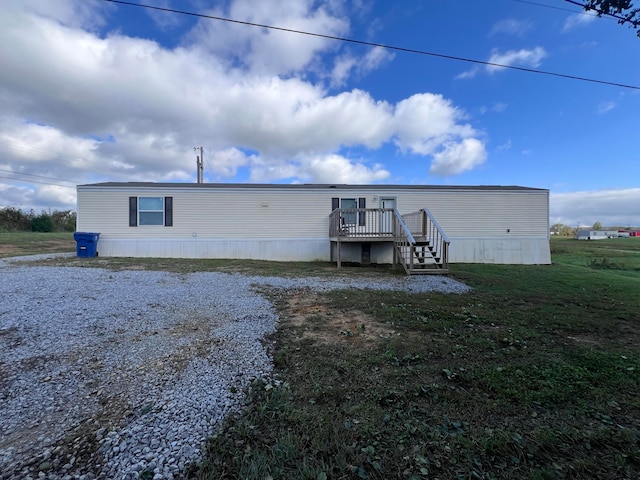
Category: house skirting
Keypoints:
(506, 250)
(277, 249)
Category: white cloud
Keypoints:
(32, 144)
(579, 20)
(267, 51)
(511, 26)
(89, 107)
(472, 72)
(613, 207)
(374, 58)
(529, 58)
(424, 122)
(605, 107)
(497, 107)
(457, 158)
(342, 69)
(40, 197)
(524, 58)
(505, 147)
(323, 169)
(329, 168)
(163, 19)
(70, 13)
(348, 65)
(225, 163)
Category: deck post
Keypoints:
(395, 255)
(338, 252)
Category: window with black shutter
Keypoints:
(144, 211)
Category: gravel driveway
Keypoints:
(122, 375)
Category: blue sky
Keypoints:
(94, 91)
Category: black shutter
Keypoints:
(335, 203)
(133, 211)
(362, 203)
(168, 211)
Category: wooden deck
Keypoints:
(419, 244)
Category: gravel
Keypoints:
(123, 375)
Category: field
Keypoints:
(534, 374)
(29, 243)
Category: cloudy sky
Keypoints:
(94, 91)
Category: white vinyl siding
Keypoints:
(261, 216)
(290, 213)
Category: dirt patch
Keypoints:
(7, 250)
(317, 321)
(626, 334)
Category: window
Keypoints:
(349, 217)
(150, 211)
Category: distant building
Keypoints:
(597, 234)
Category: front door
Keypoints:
(386, 219)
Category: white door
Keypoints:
(386, 219)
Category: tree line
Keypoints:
(569, 231)
(15, 220)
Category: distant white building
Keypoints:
(597, 234)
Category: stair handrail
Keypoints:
(434, 233)
(403, 227)
(436, 224)
(402, 238)
(423, 225)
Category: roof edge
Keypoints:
(303, 186)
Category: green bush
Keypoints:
(64, 221)
(42, 223)
(15, 220)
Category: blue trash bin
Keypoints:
(86, 244)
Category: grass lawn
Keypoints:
(14, 244)
(535, 374)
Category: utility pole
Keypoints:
(200, 163)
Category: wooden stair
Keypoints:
(419, 244)
(420, 258)
(423, 247)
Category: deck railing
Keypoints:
(361, 222)
(419, 242)
(425, 227)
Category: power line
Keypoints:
(37, 181)
(380, 45)
(15, 146)
(39, 176)
(551, 6)
(605, 12)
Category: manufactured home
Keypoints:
(421, 227)
(597, 234)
